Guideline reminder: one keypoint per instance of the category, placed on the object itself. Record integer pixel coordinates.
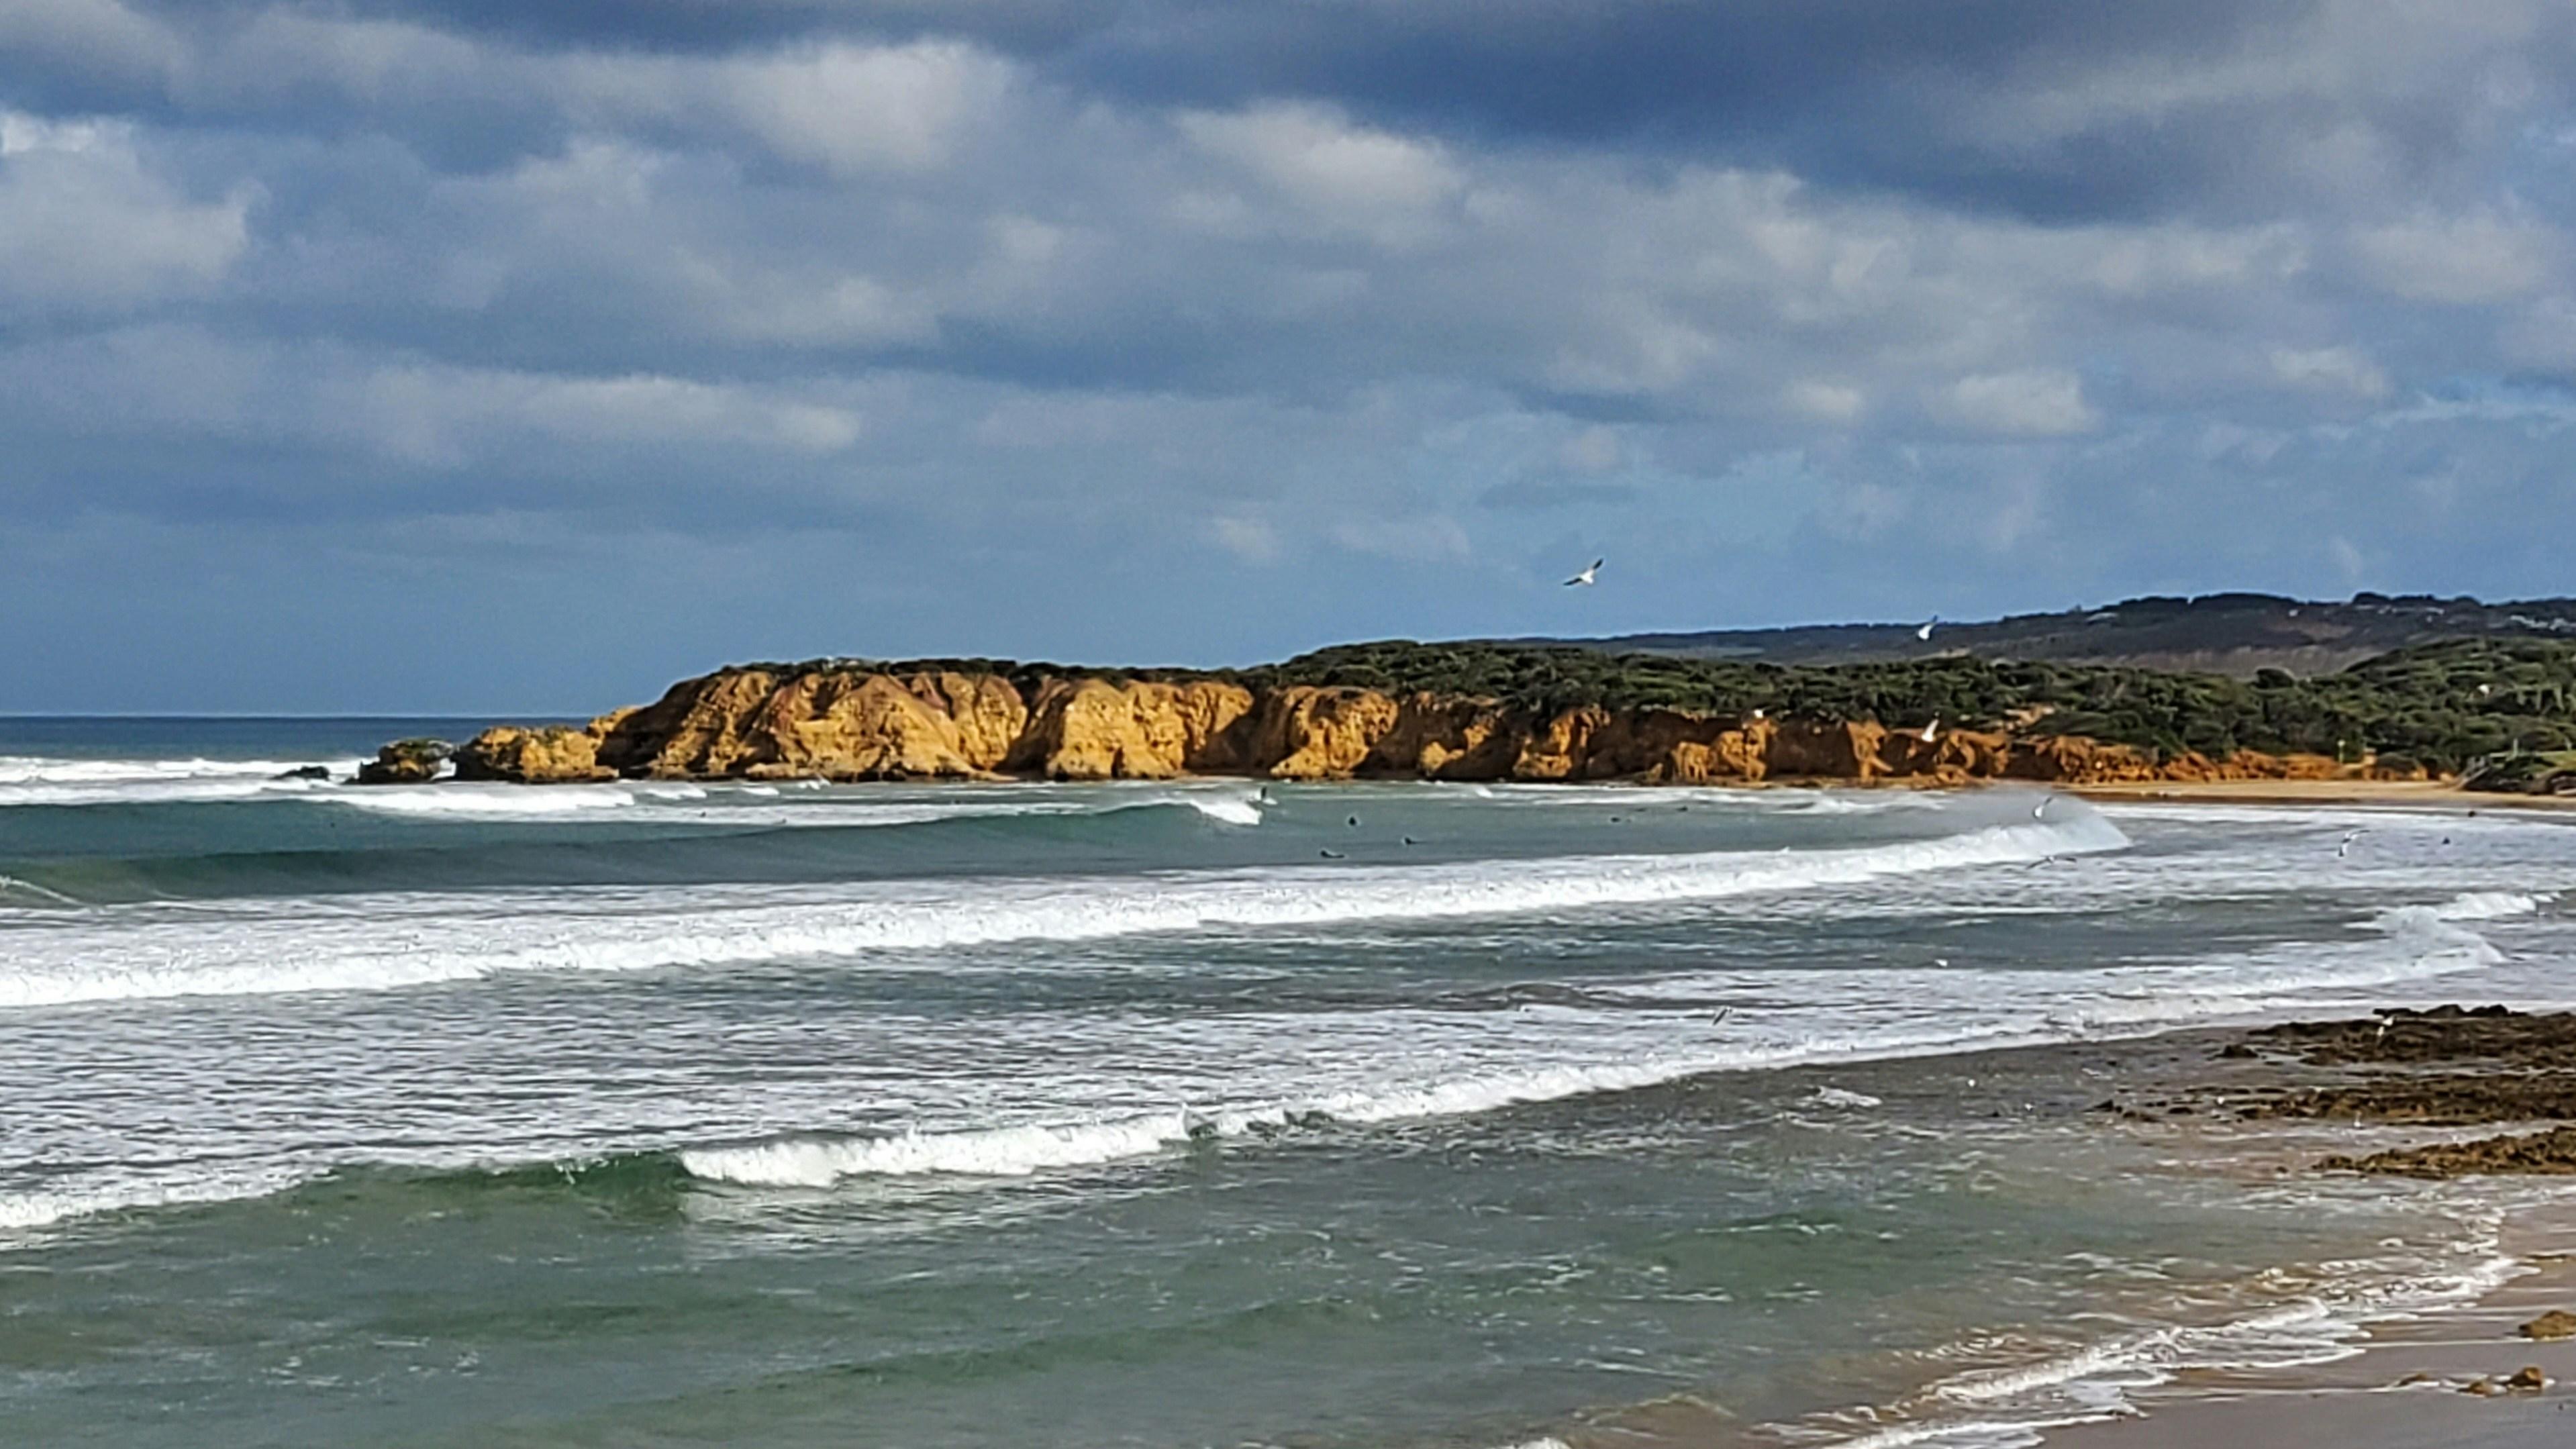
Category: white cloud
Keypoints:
(857, 109)
(1826, 402)
(2034, 403)
(1596, 449)
(1337, 173)
(2460, 260)
(2331, 369)
(85, 224)
(853, 110)
(1250, 539)
(445, 416)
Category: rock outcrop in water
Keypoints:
(405, 762)
(852, 722)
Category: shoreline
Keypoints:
(2390, 794)
(2406, 1384)
(2370, 1365)
(2416, 1373)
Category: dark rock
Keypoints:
(2445, 1033)
(406, 762)
(305, 772)
(2445, 1098)
(2556, 1323)
(2236, 1051)
(2527, 1379)
(2538, 1154)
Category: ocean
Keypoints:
(1193, 1114)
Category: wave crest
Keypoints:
(386, 941)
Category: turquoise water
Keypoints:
(1163, 1115)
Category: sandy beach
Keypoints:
(2407, 1386)
(2394, 794)
(2447, 1376)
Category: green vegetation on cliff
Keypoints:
(2438, 705)
(2441, 705)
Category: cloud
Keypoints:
(1249, 539)
(99, 36)
(1808, 310)
(2034, 403)
(86, 223)
(1826, 402)
(853, 110)
(1331, 173)
(1595, 449)
(2331, 369)
(2460, 260)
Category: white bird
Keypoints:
(1588, 576)
(2036, 811)
(1757, 711)
(2345, 847)
(1925, 633)
(1932, 729)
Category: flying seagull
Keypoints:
(1588, 577)
(1931, 730)
(2345, 847)
(1925, 633)
(2036, 811)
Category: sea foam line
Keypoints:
(1024, 1149)
(2322, 1326)
(374, 943)
(2425, 948)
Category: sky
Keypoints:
(488, 356)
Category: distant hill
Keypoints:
(2230, 634)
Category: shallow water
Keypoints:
(1041, 1115)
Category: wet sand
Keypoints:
(2407, 1387)
(2437, 1378)
(2415, 794)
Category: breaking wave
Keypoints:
(372, 942)
(2481, 906)
(42, 780)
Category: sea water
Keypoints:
(1181, 1114)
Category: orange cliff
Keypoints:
(852, 723)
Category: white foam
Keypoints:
(997, 1152)
(1841, 1097)
(716, 804)
(368, 942)
(1226, 809)
(2485, 906)
(44, 893)
(1022, 1149)
(2092, 1382)
(452, 800)
(44, 770)
(42, 1208)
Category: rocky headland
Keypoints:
(852, 725)
(1501, 712)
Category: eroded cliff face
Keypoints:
(855, 724)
